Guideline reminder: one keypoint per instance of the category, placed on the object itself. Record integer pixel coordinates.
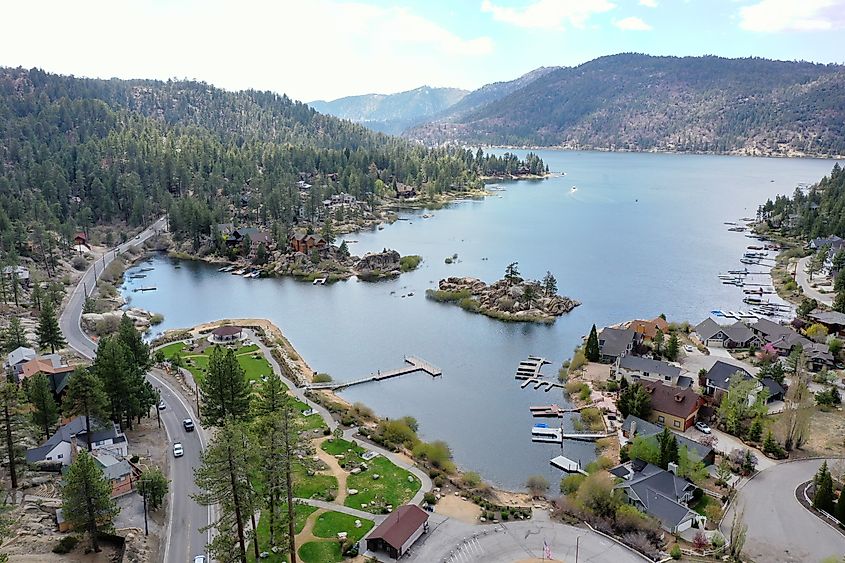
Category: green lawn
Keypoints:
(329, 524)
(172, 349)
(311, 422)
(701, 504)
(391, 488)
(320, 552)
(251, 360)
(305, 486)
(303, 511)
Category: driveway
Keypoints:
(696, 361)
(450, 541)
(804, 281)
(779, 528)
(727, 443)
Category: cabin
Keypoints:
(404, 191)
(56, 370)
(399, 531)
(256, 237)
(648, 329)
(105, 437)
(305, 243)
(81, 239)
(17, 273)
(671, 406)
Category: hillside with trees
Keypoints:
(641, 103)
(392, 113)
(816, 211)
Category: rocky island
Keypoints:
(509, 299)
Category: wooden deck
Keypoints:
(556, 435)
(416, 364)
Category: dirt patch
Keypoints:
(38, 549)
(594, 372)
(827, 433)
(459, 509)
(509, 498)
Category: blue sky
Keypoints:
(323, 49)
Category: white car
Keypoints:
(702, 427)
(688, 348)
(177, 450)
(161, 405)
(199, 559)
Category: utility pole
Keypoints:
(146, 527)
(577, 539)
(158, 410)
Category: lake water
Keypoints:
(643, 234)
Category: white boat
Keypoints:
(239, 272)
(248, 275)
(574, 189)
(319, 281)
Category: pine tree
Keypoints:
(840, 506)
(113, 366)
(44, 413)
(512, 273)
(86, 498)
(839, 302)
(549, 284)
(86, 397)
(668, 448)
(49, 333)
(138, 349)
(673, 347)
(153, 486)
(11, 403)
(592, 352)
(224, 390)
(823, 497)
(15, 335)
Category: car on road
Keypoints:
(188, 424)
(199, 559)
(177, 450)
(702, 427)
(688, 348)
(161, 405)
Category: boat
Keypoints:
(755, 247)
(147, 269)
(248, 274)
(753, 301)
(749, 261)
(319, 281)
(238, 272)
(574, 189)
(743, 271)
(137, 276)
(729, 223)
(717, 313)
(738, 229)
(225, 268)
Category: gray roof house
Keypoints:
(637, 367)
(737, 335)
(615, 343)
(660, 493)
(710, 333)
(19, 356)
(105, 438)
(634, 426)
(719, 378)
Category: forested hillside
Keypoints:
(77, 152)
(391, 113)
(640, 102)
(817, 211)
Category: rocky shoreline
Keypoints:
(513, 300)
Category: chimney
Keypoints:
(633, 431)
(672, 467)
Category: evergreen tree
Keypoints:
(512, 273)
(343, 250)
(15, 335)
(673, 347)
(86, 397)
(823, 497)
(224, 390)
(327, 232)
(592, 350)
(635, 400)
(139, 350)
(658, 341)
(37, 296)
(49, 333)
(11, 402)
(549, 284)
(153, 486)
(840, 506)
(130, 395)
(839, 302)
(44, 413)
(668, 445)
(86, 498)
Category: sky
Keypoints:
(325, 49)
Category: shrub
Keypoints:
(107, 325)
(570, 483)
(66, 545)
(79, 263)
(408, 263)
(156, 319)
(322, 378)
(717, 540)
(471, 479)
(446, 296)
(675, 552)
(612, 385)
(585, 393)
(579, 359)
(592, 418)
(430, 498)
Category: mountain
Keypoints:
(641, 102)
(391, 113)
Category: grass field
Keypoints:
(320, 552)
(249, 357)
(303, 511)
(313, 486)
(329, 524)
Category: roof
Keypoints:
(649, 328)
(80, 235)
(683, 382)
(788, 340)
(770, 328)
(644, 427)
(823, 241)
(648, 429)
(672, 400)
(616, 341)
(400, 525)
(659, 491)
(113, 468)
(51, 363)
(820, 352)
(21, 271)
(76, 427)
(828, 317)
(226, 330)
(638, 363)
(773, 386)
(254, 234)
(738, 332)
(707, 329)
(721, 373)
(20, 354)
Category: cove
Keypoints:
(642, 234)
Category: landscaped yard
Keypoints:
(395, 486)
(303, 511)
(320, 552)
(313, 486)
(250, 358)
(329, 524)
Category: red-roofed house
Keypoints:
(399, 531)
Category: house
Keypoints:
(305, 243)
(834, 242)
(106, 437)
(719, 377)
(404, 191)
(737, 335)
(775, 389)
(399, 531)
(672, 406)
(53, 366)
(256, 237)
(18, 357)
(224, 334)
(634, 426)
(659, 493)
(19, 273)
(635, 368)
(616, 343)
(341, 200)
(834, 321)
(648, 329)
(784, 339)
(769, 330)
(302, 185)
(119, 473)
(224, 229)
(81, 239)
(818, 356)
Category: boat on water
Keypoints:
(749, 261)
(248, 274)
(744, 271)
(239, 272)
(573, 189)
(738, 229)
(756, 247)
(319, 281)
(226, 269)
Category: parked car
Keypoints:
(703, 427)
(188, 424)
(199, 559)
(688, 348)
(161, 405)
(177, 450)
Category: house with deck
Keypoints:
(638, 368)
(718, 380)
(615, 343)
(634, 426)
(672, 406)
(649, 329)
(306, 242)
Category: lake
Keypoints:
(642, 234)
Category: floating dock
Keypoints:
(416, 364)
(530, 368)
(557, 435)
(567, 465)
(552, 411)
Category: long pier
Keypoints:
(557, 435)
(416, 364)
(553, 411)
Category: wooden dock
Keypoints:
(567, 465)
(557, 435)
(416, 364)
(552, 411)
(530, 368)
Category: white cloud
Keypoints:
(309, 50)
(549, 14)
(632, 24)
(769, 16)
(648, 3)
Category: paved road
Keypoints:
(803, 280)
(183, 539)
(779, 528)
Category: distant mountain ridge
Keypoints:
(392, 113)
(641, 103)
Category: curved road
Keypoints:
(186, 517)
(779, 528)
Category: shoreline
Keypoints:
(656, 151)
